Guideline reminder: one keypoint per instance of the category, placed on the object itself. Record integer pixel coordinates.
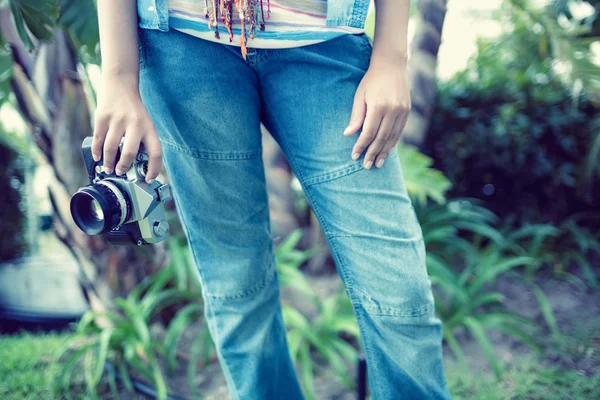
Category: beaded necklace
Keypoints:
(251, 12)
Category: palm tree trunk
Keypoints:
(421, 68)
(50, 97)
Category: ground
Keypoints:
(567, 368)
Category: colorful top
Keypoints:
(154, 14)
(256, 23)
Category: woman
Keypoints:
(205, 76)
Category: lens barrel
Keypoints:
(99, 208)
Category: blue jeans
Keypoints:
(207, 103)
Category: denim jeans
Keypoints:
(207, 103)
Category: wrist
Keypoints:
(128, 79)
(389, 56)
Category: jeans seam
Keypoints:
(213, 155)
(337, 173)
(262, 284)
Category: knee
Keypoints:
(411, 299)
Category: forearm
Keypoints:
(117, 20)
(391, 31)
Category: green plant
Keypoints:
(466, 254)
(289, 259)
(422, 182)
(324, 335)
(560, 248)
(121, 336)
(509, 131)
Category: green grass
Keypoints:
(25, 363)
(528, 379)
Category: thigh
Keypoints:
(366, 215)
(203, 100)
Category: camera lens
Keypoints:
(100, 207)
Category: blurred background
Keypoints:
(501, 157)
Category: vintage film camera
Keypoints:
(124, 208)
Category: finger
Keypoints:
(368, 133)
(359, 111)
(391, 142)
(100, 130)
(152, 145)
(384, 132)
(111, 144)
(129, 151)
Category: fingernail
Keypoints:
(368, 164)
(347, 131)
(149, 181)
(120, 171)
(107, 170)
(355, 156)
(95, 157)
(380, 162)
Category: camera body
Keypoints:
(124, 208)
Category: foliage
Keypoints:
(463, 272)
(36, 20)
(323, 334)
(25, 373)
(25, 365)
(529, 379)
(560, 248)
(422, 182)
(508, 131)
(121, 336)
(564, 40)
(289, 259)
(15, 160)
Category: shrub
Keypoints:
(14, 162)
(509, 131)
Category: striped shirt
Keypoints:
(292, 23)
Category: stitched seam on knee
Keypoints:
(414, 312)
(337, 173)
(213, 155)
(248, 292)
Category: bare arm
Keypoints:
(382, 100)
(120, 111)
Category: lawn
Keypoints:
(568, 370)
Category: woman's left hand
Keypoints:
(381, 108)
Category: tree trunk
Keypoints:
(421, 68)
(50, 97)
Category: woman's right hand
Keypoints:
(120, 112)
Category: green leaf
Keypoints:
(182, 319)
(546, 308)
(6, 72)
(124, 372)
(455, 347)
(35, 16)
(421, 181)
(153, 303)
(294, 338)
(477, 330)
(81, 19)
(102, 355)
(306, 372)
(195, 352)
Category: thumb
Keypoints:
(359, 112)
